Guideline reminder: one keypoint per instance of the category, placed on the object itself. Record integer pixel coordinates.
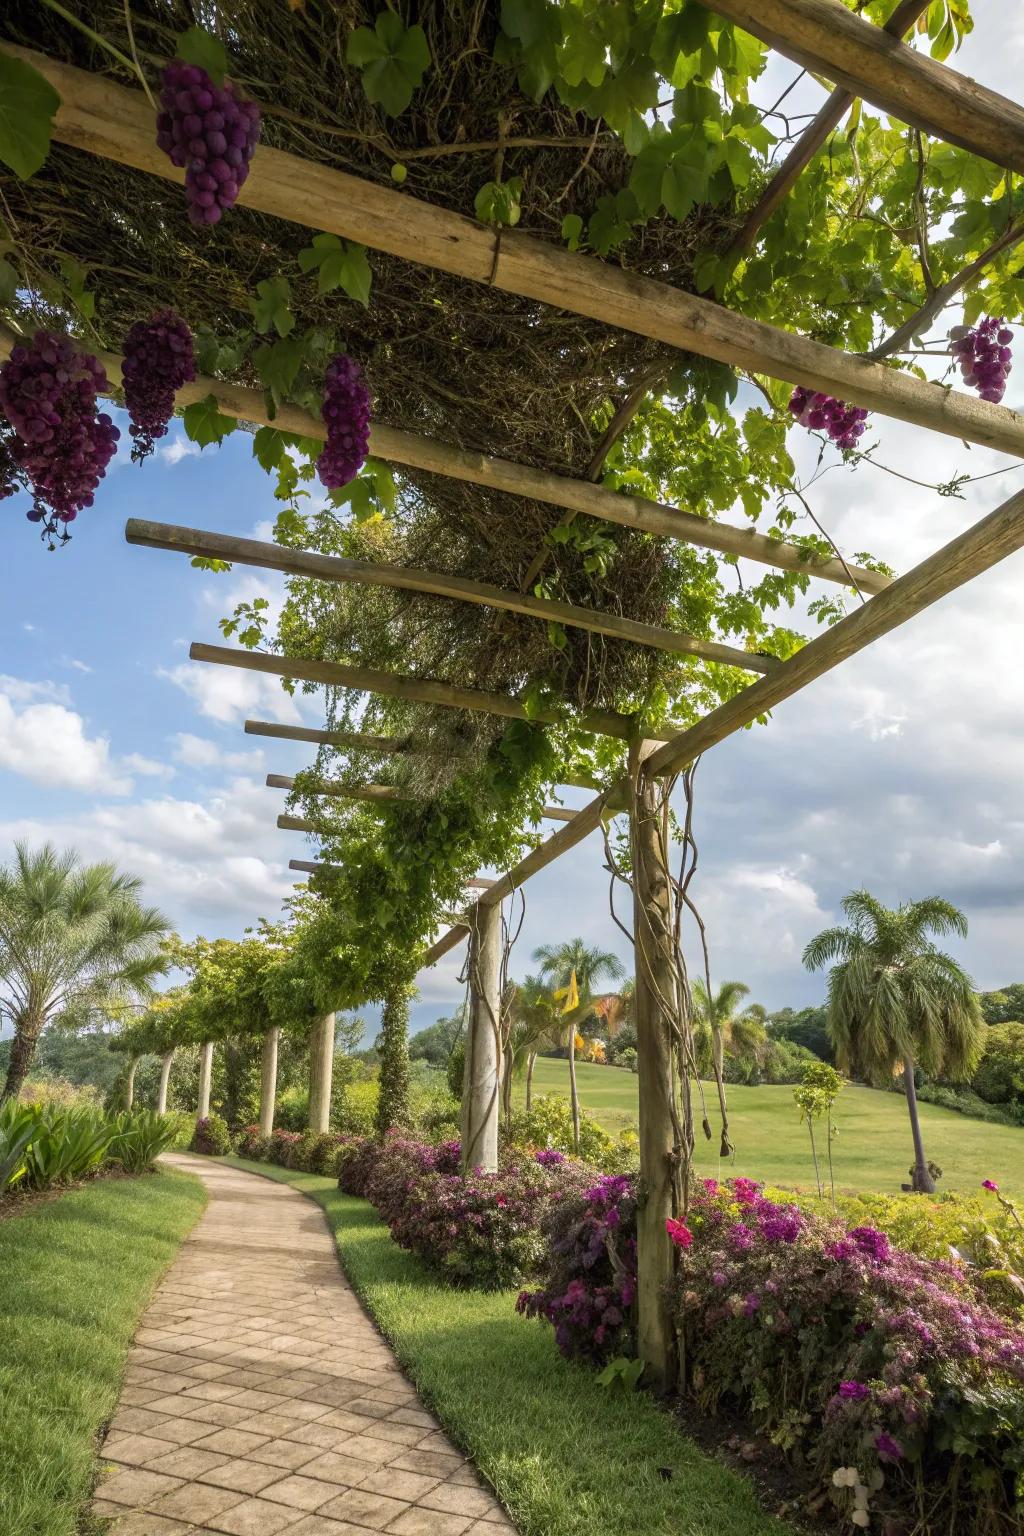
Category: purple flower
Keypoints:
(751, 1304)
(549, 1157)
(990, 1184)
(853, 1391)
(888, 1448)
(873, 1243)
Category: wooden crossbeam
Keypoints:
(355, 740)
(312, 866)
(439, 458)
(384, 792)
(828, 39)
(989, 541)
(813, 137)
(416, 690)
(114, 123)
(301, 562)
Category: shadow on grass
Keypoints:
(566, 1456)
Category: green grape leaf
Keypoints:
(572, 231)
(497, 202)
(268, 447)
(75, 277)
(278, 364)
(340, 264)
(204, 423)
(28, 103)
(393, 59)
(199, 47)
(272, 309)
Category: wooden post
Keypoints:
(205, 1079)
(165, 1077)
(129, 1083)
(481, 1092)
(321, 1072)
(655, 993)
(268, 1081)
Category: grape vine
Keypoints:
(210, 131)
(158, 359)
(346, 414)
(58, 445)
(984, 356)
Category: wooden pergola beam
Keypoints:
(353, 740)
(415, 690)
(388, 793)
(407, 448)
(989, 541)
(813, 137)
(334, 568)
(114, 123)
(312, 866)
(868, 61)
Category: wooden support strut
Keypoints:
(312, 866)
(828, 39)
(268, 1080)
(982, 546)
(353, 740)
(417, 690)
(578, 496)
(117, 124)
(301, 562)
(481, 1092)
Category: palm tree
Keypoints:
(591, 965)
(532, 1021)
(721, 1029)
(895, 1000)
(75, 944)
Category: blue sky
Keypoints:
(903, 770)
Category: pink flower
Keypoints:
(990, 1184)
(679, 1232)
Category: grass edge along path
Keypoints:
(566, 1456)
(76, 1274)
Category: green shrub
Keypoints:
(455, 1072)
(627, 1058)
(549, 1124)
(967, 1102)
(183, 1125)
(139, 1139)
(291, 1113)
(359, 1107)
(1000, 1075)
(58, 1093)
(66, 1145)
(211, 1136)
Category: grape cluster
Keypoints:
(58, 445)
(823, 413)
(207, 129)
(158, 360)
(346, 413)
(984, 356)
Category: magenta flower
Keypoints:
(888, 1448)
(990, 1184)
(853, 1391)
(679, 1232)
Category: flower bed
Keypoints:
(485, 1230)
(305, 1151)
(885, 1372)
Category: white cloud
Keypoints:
(21, 690)
(200, 752)
(147, 766)
(73, 661)
(48, 744)
(177, 449)
(228, 694)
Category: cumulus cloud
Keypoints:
(201, 752)
(227, 694)
(177, 449)
(48, 743)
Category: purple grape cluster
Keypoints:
(158, 360)
(346, 413)
(59, 446)
(984, 356)
(207, 129)
(823, 413)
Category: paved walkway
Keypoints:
(259, 1397)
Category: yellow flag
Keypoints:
(571, 993)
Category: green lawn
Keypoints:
(567, 1457)
(872, 1151)
(75, 1274)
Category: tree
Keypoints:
(1000, 1075)
(721, 1029)
(815, 1095)
(76, 945)
(436, 1043)
(805, 1026)
(532, 1021)
(558, 962)
(895, 1000)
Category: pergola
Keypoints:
(110, 121)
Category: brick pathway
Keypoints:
(259, 1397)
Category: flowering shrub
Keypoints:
(252, 1143)
(282, 1146)
(887, 1371)
(211, 1136)
(590, 1279)
(483, 1231)
(549, 1124)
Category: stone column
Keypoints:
(481, 1091)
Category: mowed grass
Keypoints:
(76, 1273)
(567, 1457)
(872, 1152)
